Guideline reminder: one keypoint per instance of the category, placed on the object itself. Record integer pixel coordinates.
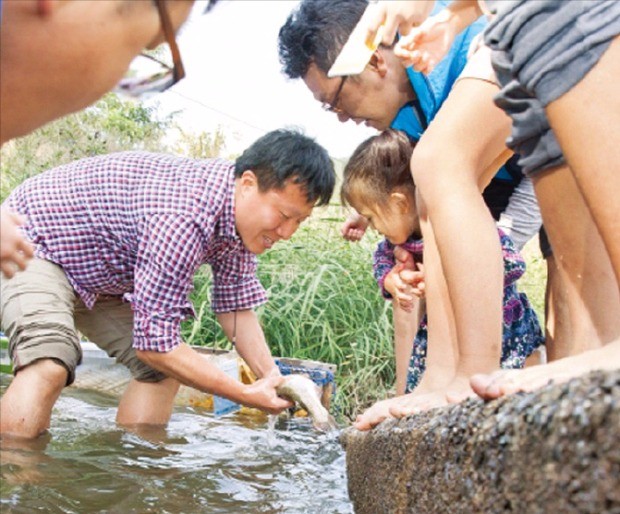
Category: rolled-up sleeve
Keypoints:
(169, 254)
(235, 284)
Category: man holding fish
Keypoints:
(118, 239)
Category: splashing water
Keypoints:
(200, 463)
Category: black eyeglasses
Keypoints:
(147, 74)
(333, 105)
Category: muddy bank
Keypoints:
(555, 450)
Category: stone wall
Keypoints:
(556, 450)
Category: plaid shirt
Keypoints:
(138, 225)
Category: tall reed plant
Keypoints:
(324, 305)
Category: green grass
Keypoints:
(324, 305)
(535, 277)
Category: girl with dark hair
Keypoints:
(378, 184)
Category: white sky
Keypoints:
(233, 80)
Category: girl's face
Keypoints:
(397, 219)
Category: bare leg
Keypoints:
(450, 179)
(147, 403)
(442, 356)
(26, 458)
(442, 351)
(557, 318)
(593, 300)
(586, 121)
(405, 328)
(586, 275)
(26, 407)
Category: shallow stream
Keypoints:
(199, 464)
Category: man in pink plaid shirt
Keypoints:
(118, 239)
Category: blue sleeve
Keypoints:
(432, 90)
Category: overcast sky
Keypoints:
(234, 80)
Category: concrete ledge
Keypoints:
(556, 450)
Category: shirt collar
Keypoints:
(228, 228)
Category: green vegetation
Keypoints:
(324, 303)
(111, 125)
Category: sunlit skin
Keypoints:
(396, 220)
(75, 52)
(265, 217)
(365, 98)
(57, 58)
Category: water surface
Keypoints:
(199, 464)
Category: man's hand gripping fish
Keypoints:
(305, 392)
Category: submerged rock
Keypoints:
(554, 450)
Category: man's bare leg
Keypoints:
(26, 406)
(147, 403)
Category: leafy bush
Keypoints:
(111, 125)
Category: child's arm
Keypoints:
(404, 297)
(429, 43)
(388, 264)
(415, 279)
(354, 227)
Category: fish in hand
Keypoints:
(305, 392)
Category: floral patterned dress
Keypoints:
(521, 330)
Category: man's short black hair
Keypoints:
(315, 32)
(287, 155)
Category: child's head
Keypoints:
(378, 184)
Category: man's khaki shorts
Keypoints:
(41, 314)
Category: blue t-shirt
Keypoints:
(432, 90)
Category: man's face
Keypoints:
(59, 57)
(371, 98)
(263, 218)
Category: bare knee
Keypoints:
(438, 176)
(424, 170)
(26, 407)
(147, 403)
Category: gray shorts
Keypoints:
(41, 314)
(541, 50)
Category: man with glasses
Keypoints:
(386, 94)
(59, 57)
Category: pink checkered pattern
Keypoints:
(139, 225)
